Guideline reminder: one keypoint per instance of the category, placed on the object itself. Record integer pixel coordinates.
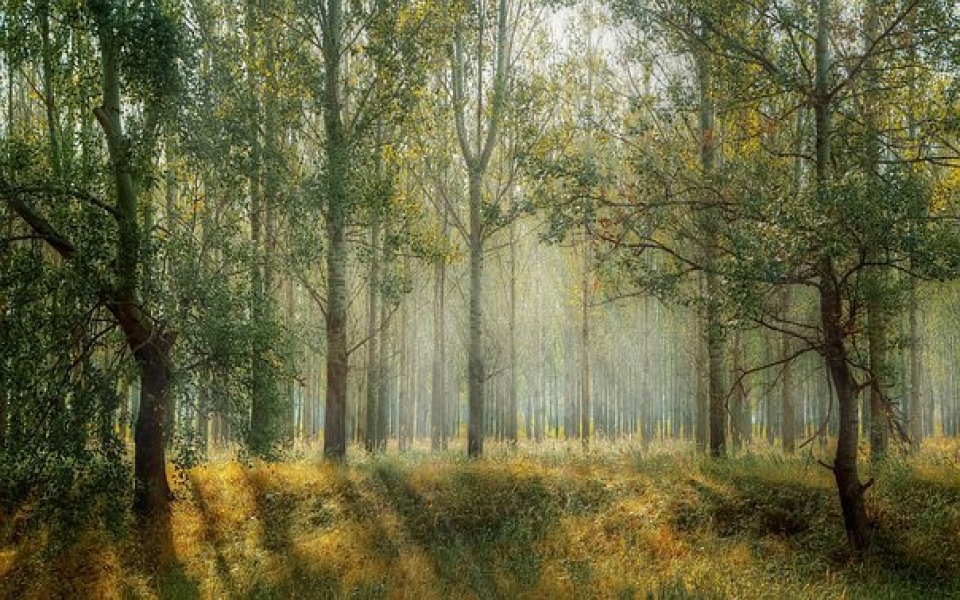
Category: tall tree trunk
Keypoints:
(374, 375)
(718, 410)
(703, 386)
(739, 394)
(585, 375)
(338, 169)
(511, 433)
(385, 376)
(475, 358)
(845, 466)
(438, 401)
(788, 426)
(916, 398)
(876, 319)
(476, 153)
(49, 91)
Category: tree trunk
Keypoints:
(385, 378)
(714, 328)
(916, 398)
(511, 425)
(876, 319)
(475, 358)
(438, 416)
(149, 345)
(788, 426)
(152, 491)
(831, 314)
(374, 375)
(737, 399)
(845, 464)
(338, 165)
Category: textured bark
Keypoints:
(718, 409)
(337, 149)
(475, 358)
(152, 491)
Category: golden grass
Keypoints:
(616, 522)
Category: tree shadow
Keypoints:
(159, 558)
(210, 533)
(489, 546)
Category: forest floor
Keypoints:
(614, 522)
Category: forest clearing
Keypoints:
(618, 522)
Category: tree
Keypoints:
(476, 148)
(138, 50)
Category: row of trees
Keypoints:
(200, 199)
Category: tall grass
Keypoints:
(618, 521)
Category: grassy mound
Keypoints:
(534, 524)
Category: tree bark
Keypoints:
(438, 402)
(718, 409)
(845, 466)
(916, 398)
(370, 435)
(475, 370)
(338, 164)
(788, 426)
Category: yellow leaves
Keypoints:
(945, 191)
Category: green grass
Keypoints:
(612, 523)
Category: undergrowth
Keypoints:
(611, 523)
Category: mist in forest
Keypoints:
(499, 299)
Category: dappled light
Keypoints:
(524, 524)
(487, 299)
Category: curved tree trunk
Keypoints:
(831, 315)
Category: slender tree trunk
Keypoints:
(49, 91)
(475, 371)
(585, 391)
(788, 426)
(385, 377)
(703, 386)
(438, 413)
(476, 154)
(845, 466)
(716, 394)
(511, 433)
(406, 405)
(370, 435)
(876, 319)
(916, 398)
(338, 169)
(736, 408)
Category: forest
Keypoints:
(482, 298)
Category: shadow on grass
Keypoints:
(160, 562)
(487, 544)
